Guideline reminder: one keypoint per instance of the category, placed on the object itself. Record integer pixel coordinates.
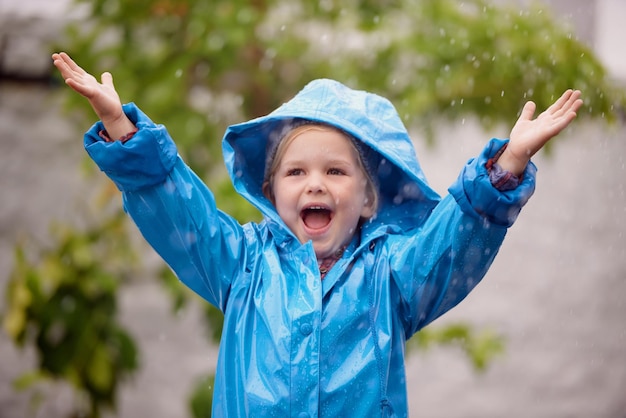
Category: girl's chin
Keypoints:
(323, 251)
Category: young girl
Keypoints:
(355, 253)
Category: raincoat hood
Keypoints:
(405, 198)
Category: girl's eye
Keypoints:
(294, 172)
(335, 172)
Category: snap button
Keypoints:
(306, 329)
(303, 415)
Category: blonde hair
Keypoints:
(370, 187)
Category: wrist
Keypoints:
(509, 162)
(107, 138)
(119, 126)
(501, 178)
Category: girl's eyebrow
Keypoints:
(301, 161)
(338, 161)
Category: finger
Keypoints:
(65, 71)
(71, 64)
(572, 104)
(560, 102)
(79, 87)
(107, 79)
(62, 65)
(568, 113)
(573, 96)
(57, 60)
(565, 103)
(563, 122)
(528, 111)
(577, 105)
(574, 101)
(576, 94)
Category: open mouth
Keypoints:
(316, 217)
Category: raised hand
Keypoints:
(529, 135)
(103, 97)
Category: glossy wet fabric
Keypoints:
(292, 344)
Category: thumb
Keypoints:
(528, 111)
(107, 79)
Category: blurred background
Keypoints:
(94, 325)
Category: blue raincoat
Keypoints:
(294, 345)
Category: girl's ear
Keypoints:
(267, 191)
(369, 208)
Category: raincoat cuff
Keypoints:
(144, 161)
(476, 195)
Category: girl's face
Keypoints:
(320, 190)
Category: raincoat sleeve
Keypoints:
(174, 210)
(449, 255)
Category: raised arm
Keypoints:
(174, 210)
(102, 97)
(529, 135)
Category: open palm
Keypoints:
(103, 97)
(529, 135)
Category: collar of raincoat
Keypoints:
(405, 198)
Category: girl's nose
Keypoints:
(315, 184)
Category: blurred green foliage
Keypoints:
(201, 400)
(65, 304)
(479, 346)
(197, 66)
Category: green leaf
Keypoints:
(29, 379)
(100, 370)
(481, 347)
(201, 399)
